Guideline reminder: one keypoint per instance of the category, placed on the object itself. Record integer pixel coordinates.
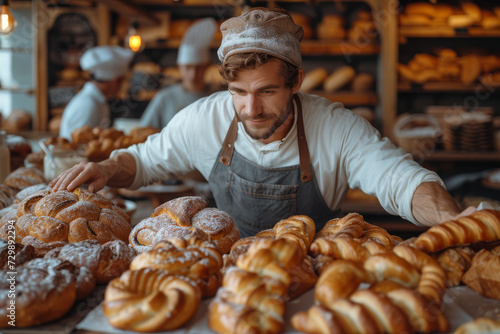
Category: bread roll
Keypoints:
(313, 79)
(17, 121)
(363, 82)
(414, 20)
(420, 8)
(492, 22)
(339, 78)
(472, 10)
(331, 27)
(460, 21)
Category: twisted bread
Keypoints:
(483, 225)
(248, 303)
(389, 266)
(339, 280)
(455, 262)
(47, 220)
(252, 297)
(432, 284)
(185, 217)
(354, 226)
(42, 294)
(106, 261)
(346, 248)
(148, 300)
(195, 258)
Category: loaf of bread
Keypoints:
(198, 259)
(157, 300)
(483, 225)
(47, 220)
(45, 290)
(106, 261)
(331, 27)
(363, 82)
(15, 255)
(339, 78)
(18, 120)
(24, 177)
(314, 79)
(185, 217)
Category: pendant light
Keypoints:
(7, 21)
(133, 40)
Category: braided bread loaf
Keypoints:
(185, 217)
(483, 225)
(45, 291)
(24, 177)
(106, 261)
(354, 226)
(273, 269)
(148, 300)
(192, 257)
(47, 220)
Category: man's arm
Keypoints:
(118, 171)
(432, 205)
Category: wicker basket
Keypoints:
(417, 133)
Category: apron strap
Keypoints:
(228, 144)
(305, 158)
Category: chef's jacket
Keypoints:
(88, 107)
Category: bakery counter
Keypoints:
(461, 304)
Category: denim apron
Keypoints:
(257, 197)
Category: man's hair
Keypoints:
(248, 61)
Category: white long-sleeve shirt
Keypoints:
(346, 151)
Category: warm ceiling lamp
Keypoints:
(7, 21)
(134, 40)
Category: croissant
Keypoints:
(389, 266)
(483, 225)
(482, 275)
(148, 300)
(185, 217)
(47, 220)
(455, 262)
(195, 258)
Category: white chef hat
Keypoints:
(195, 46)
(106, 63)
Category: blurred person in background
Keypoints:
(193, 59)
(107, 66)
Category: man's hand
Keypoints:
(95, 175)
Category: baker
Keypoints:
(107, 66)
(193, 60)
(270, 151)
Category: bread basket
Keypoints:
(417, 132)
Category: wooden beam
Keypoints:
(130, 10)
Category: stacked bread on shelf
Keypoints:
(344, 77)
(448, 66)
(465, 14)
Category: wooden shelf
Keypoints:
(308, 47)
(18, 90)
(463, 156)
(349, 98)
(408, 87)
(445, 31)
(337, 47)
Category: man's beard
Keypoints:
(277, 122)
